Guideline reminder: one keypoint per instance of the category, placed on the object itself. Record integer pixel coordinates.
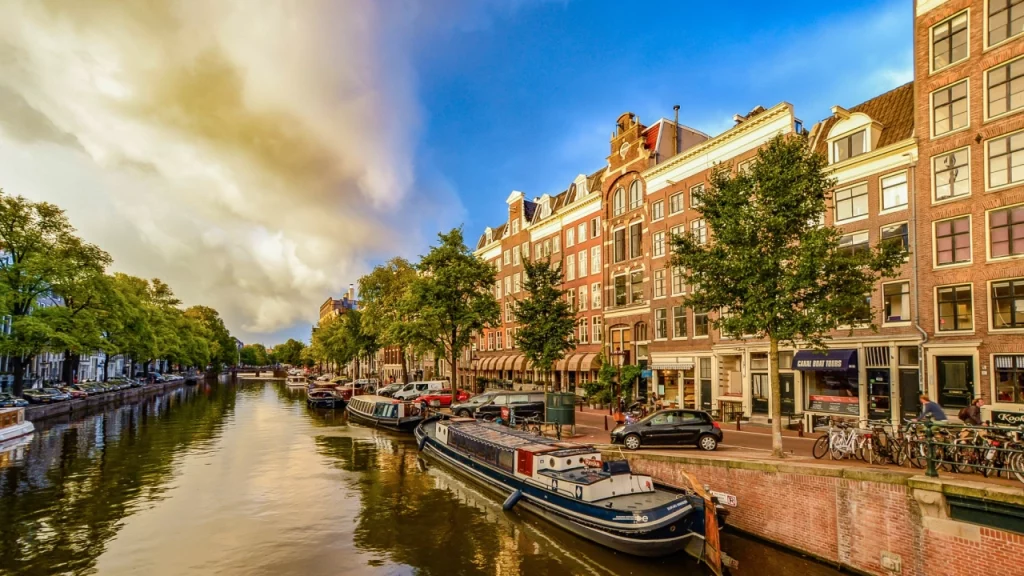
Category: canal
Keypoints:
(223, 479)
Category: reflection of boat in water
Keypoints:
(568, 485)
(13, 424)
(383, 412)
(324, 397)
(193, 378)
(297, 382)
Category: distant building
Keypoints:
(334, 307)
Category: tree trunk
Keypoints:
(18, 366)
(455, 373)
(776, 398)
(66, 373)
(405, 369)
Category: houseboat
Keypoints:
(13, 424)
(381, 412)
(324, 398)
(569, 485)
(296, 381)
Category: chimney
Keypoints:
(675, 131)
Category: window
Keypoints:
(1006, 231)
(595, 227)
(635, 197)
(700, 323)
(678, 322)
(949, 108)
(956, 310)
(1008, 304)
(595, 260)
(583, 297)
(619, 201)
(636, 280)
(677, 231)
(660, 324)
(619, 240)
(678, 281)
(595, 296)
(894, 191)
(744, 166)
(949, 41)
(556, 245)
(497, 290)
(597, 331)
(854, 243)
(695, 194)
(515, 226)
(570, 297)
(508, 284)
(538, 251)
(896, 299)
(658, 210)
(635, 239)
(582, 268)
(570, 268)
(581, 232)
(1006, 88)
(1006, 160)
(1010, 379)
(515, 256)
(507, 255)
(861, 311)
(570, 237)
(659, 283)
(848, 146)
(952, 173)
(621, 295)
(515, 283)
(658, 247)
(508, 311)
(490, 341)
(851, 202)
(897, 233)
(500, 337)
(953, 241)
(675, 203)
(584, 331)
(1005, 20)
(699, 229)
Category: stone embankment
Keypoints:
(36, 412)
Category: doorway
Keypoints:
(956, 380)
(759, 393)
(910, 392)
(788, 393)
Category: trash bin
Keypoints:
(561, 408)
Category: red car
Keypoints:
(74, 391)
(443, 398)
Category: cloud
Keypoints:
(256, 156)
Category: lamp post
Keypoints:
(474, 360)
(618, 355)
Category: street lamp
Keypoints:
(618, 357)
(475, 361)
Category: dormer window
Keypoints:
(848, 146)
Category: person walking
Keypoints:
(972, 414)
(931, 409)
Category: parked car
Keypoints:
(93, 388)
(442, 398)
(670, 428)
(414, 390)
(467, 408)
(390, 389)
(74, 391)
(524, 404)
(132, 383)
(9, 401)
(44, 396)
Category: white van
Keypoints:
(414, 390)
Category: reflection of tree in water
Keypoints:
(61, 506)
(296, 398)
(406, 518)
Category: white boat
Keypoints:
(297, 382)
(13, 424)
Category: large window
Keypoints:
(1006, 160)
(584, 331)
(695, 193)
(956, 309)
(678, 322)
(854, 243)
(570, 297)
(953, 241)
(949, 41)
(678, 281)
(658, 210)
(1006, 231)
(897, 234)
(659, 283)
(595, 296)
(507, 256)
(1006, 88)
(894, 191)
(515, 283)
(699, 229)
(619, 241)
(896, 298)
(584, 299)
(621, 291)
(658, 247)
(635, 197)
(515, 256)
(597, 331)
(619, 201)
(949, 108)
(1005, 19)
(848, 146)
(1010, 379)
(1008, 304)
(952, 173)
(675, 203)
(851, 202)
(570, 268)
(582, 268)
(570, 237)
(595, 227)
(636, 280)
(508, 285)
(636, 239)
(595, 260)
(700, 323)
(660, 324)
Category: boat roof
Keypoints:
(516, 439)
(373, 398)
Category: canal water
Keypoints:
(224, 479)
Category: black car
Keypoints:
(9, 401)
(525, 405)
(670, 428)
(388, 390)
(468, 408)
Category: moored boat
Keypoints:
(324, 398)
(13, 424)
(569, 485)
(381, 412)
(296, 381)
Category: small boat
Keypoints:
(324, 398)
(193, 378)
(13, 424)
(296, 382)
(569, 485)
(381, 412)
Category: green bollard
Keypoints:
(929, 435)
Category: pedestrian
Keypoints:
(972, 414)
(931, 409)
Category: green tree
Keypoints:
(79, 286)
(451, 297)
(221, 344)
(547, 321)
(381, 295)
(254, 355)
(289, 353)
(771, 270)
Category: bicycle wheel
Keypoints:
(917, 453)
(898, 455)
(820, 447)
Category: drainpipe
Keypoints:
(922, 364)
(675, 131)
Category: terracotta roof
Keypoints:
(894, 110)
(652, 135)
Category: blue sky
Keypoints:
(524, 95)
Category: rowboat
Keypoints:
(296, 382)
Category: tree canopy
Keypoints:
(547, 321)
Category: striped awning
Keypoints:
(565, 363)
(518, 362)
(659, 362)
(586, 363)
(505, 363)
(489, 362)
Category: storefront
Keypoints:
(674, 379)
(831, 382)
(1007, 407)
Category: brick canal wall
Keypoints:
(870, 521)
(37, 412)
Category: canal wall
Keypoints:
(36, 412)
(865, 520)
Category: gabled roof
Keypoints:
(651, 136)
(496, 232)
(528, 209)
(894, 110)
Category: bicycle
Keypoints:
(531, 424)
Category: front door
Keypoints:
(759, 393)
(956, 380)
(787, 390)
(910, 392)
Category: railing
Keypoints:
(988, 450)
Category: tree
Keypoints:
(547, 321)
(451, 298)
(221, 344)
(289, 353)
(771, 269)
(253, 355)
(381, 293)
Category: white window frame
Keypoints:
(657, 210)
(508, 285)
(986, 143)
(515, 256)
(581, 264)
(658, 244)
(672, 283)
(934, 174)
(595, 259)
(570, 237)
(597, 328)
(865, 144)
(635, 186)
(881, 192)
(595, 227)
(991, 310)
(581, 232)
(584, 327)
(686, 318)
(985, 31)
(855, 217)
(988, 235)
(516, 285)
(664, 319)
(931, 109)
(931, 42)
(654, 284)
(985, 89)
(570, 268)
(695, 204)
(582, 297)
(700, 232)
(935, 242)
(507, 257)
(595, 296)
(910, 304)
(619, 201)
(682, 202)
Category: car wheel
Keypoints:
(631, 442)
(707, 442)
(464, 413)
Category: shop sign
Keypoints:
(837, 404)
(646, 374)
(1002, 418)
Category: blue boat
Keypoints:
(569, 485)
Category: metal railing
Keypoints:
(988, 450)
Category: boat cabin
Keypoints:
(11, 417)
(380, 407)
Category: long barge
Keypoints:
(381, 412)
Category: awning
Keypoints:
(505, 363)
(485, 363)
(830, 361)
(659, 362)
(586, 363)
(518, 365)
(565, 363)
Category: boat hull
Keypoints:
(681, 532)
(394, 424)
(18, 430)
